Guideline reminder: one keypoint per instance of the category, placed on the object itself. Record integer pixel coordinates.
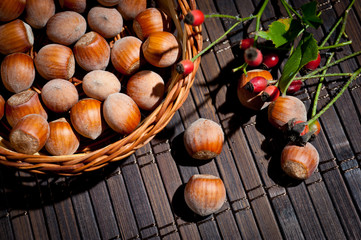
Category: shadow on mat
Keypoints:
(22, 190)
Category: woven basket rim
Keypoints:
(177, 91)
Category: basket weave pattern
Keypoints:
(177, 91)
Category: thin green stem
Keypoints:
(330, 33)
(319, 86)
(229, 16)
(244, 65)
(215, 42)
(325, 75)
(288, 7)
(336, 45)
(258, 20)
(343, 89)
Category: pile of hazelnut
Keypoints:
(67, 75)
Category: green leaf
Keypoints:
(309, 12)
(305, 52)
(282, 31)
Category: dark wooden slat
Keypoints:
(103, 210)
(48, 208)
(83, 209)
(156, 192)
(66, 216)
(5, 223)
(139, 200)
(171, 176)
(33, 200)
(122, 206)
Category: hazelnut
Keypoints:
(203, 139)
(59, 95)
(108, 22)
(131, 8)
(11, 9)
(37, 13)
(204, 194)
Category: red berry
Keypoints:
(185, 67)
(270, 60)
(270, 94)
(253, 56)
(294, 86)
(305, 128)
(246, 43)
(256, 84)
(315, 128)
(194, 17)
(312, 65)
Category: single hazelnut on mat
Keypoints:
(62, 139)
(204, 194)
(30, 134)
(299, 162)
(203, 139)
(22, 104)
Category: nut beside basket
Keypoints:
(111, 147)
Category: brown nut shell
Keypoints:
(204, 194)
(22, 104)
(30, 134)
(125, 55)
(299, 162)
(66, 27)
(15, 36)
(284, 109)
(151, 20)
(203, 139)
(59, 95)
(161, 49)
(131, 8)
(78, 6)
(2, 107)
(11, 9)
(17, 72)
(249, 99)
(121, 113)
(92, 52)
(146, 88)
(62, 139)
(86, 118)
(37, 13)
(108, 22)
(55, 61)
(99, 84)
(108, 3)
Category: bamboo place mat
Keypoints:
(141, 197)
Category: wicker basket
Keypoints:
(97, 154)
